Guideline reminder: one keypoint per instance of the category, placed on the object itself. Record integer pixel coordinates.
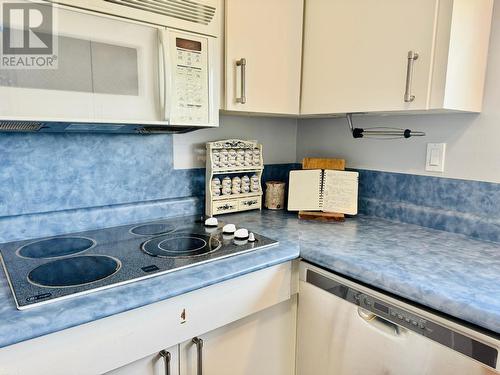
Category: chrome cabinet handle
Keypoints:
(412, 56)
(199, 348)
(242, 63)
(166, 359)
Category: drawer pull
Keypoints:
(226, 207)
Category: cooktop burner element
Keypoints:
(50, 269)
(153, 229)
(74, 271)
(181, 245)
(55, 247)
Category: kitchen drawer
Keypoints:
(223, 207)
(249, 203)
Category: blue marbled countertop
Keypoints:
(448, 272)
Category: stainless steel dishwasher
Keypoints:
(345, 328)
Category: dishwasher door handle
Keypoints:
(380, 323)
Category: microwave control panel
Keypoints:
(190, 86)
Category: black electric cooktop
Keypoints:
(49, 269)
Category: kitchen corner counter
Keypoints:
(451, 273)
(448, 272)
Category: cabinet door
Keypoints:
(268, 35)
(155, 364)
(356, 54)
(263, 344)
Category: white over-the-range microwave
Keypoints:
(116, 68)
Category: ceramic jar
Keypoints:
(236, 181)
(275, 195)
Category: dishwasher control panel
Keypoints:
(396, 315)
(388, 312)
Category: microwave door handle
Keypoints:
(165, 76)
(161, 73)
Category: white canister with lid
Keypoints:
(223, 156)
(232, 153)
(216, 191)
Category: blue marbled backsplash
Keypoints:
(54, 172)
(55, 183)
(459, 206)
(58, 183)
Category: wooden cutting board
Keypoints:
(322, 163)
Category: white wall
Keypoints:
(473, 141)
(277, 135)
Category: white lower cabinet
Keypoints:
(247, 325)
(263, 344)
(165, 362)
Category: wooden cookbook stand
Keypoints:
(322, 163)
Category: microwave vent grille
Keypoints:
(20, 126)
(187, 10)
(163, 130)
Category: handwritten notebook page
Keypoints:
(340, 192)
(303, 190)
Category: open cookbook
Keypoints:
(323, 190)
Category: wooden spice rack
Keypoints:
(221, 204)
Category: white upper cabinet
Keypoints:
(263, 45)
(394, 55)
